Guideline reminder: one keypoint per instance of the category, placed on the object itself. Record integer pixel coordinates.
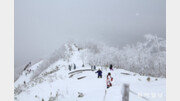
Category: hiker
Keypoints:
(29, 63)
(111, 67)
(69, 67)
(74, 66)
(109, 80)
(24, 82)
(99, 73)
(94, 67)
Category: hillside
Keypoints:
(56, 83)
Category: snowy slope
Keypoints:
(56, 84)
(25, 76)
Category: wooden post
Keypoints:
(125, 95)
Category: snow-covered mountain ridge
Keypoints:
(55, 83)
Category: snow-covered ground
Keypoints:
(56, 84)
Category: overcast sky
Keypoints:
(41, 26)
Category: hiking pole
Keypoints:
(105, 95)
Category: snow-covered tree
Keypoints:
(146, 58)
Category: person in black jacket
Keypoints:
(69, 67)
(94, 67)
(111, 67)
(74, 66)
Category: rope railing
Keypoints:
(126, 90)
(139, 96)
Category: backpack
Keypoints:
(111, 79)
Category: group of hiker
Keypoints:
(109, 78)
(93, 67)
(72, 67)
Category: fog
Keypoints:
(41, 26)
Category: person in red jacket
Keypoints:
(109, 80)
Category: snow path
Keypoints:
(93, 88)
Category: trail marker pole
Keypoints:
(105, 95)
(125, 96)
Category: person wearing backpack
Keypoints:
(99, 73)
(109, 80)
(111, 67)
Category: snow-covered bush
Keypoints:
(65, 52)
(57, 54)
